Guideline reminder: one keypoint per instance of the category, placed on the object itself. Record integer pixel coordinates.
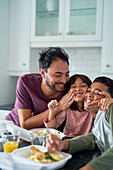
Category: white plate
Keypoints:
(52, 131)
(26, 151)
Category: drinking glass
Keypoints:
(38, 139)
(10, 141)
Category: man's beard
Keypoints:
(53, 87)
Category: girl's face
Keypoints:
(92, 93)
(80, 89)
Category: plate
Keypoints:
(22, 153)
(40, 131)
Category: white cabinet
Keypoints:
(107, 47)
(43, 23)
(19, 38)
(66, 23)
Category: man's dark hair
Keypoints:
(52, 54)
(108, 82)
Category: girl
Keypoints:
(78, 121)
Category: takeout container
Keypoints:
(22, 153)
(26, 134)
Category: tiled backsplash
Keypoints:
(82, 60)
(85, 61)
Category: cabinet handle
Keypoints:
(23, 64)
(68, 33)
(107, 65)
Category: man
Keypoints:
(102, 132)
(34, 91)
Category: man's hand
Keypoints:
(87, 167)
(54, 144)
(66, 100)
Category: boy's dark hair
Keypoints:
(108, 82)
(52, 54)
(72, 79)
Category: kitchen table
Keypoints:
(78, 159)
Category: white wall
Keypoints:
(7, 84)
(82, 60)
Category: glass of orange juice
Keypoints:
(10, 141)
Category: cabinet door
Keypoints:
(107, 48)
(83, 20)
(19, 36)
(47, 18)
(65, 22)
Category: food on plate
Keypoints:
(41, 157)
(41, 133)
(56, 134)
(56, 156)
(38, 132)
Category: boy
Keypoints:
(102, 132)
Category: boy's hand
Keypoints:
(54, 144)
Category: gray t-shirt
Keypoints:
(102, 132)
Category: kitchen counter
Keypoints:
(7, 107)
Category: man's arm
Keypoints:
(24, 107)
(29, 122)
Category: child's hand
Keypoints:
(93, 106)
(53, 104)
(105, 102)
(53, 109)
(67, 100)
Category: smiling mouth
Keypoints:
(60, 85)
(88, 101)
(78, 94)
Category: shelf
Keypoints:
(74, 12)
(83, 12)
(47, 14)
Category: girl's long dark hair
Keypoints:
(72, 79)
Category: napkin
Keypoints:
(3, 125)
(26, 135)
